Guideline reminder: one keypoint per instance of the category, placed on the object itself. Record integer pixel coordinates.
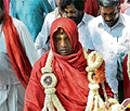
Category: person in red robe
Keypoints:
(68, 65)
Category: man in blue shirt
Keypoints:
(31, 12)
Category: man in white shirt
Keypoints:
(111, 37)
(70, 9)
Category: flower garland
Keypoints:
(49, 81)
(94, 60)
(95, 102)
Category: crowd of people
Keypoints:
(64, 55)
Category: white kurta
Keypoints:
(11, 90)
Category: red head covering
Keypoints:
(70, 29)
(72, 87)
(15, 50)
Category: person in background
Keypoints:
(17, 55)
(111, 36)
(125, 7)
(72, 10)
(31, 13)
(92, 7)
(62, 70)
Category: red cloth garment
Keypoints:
(16, 52)
(91, 7)
(122, 1)
(6, 5)
(72, 87)
(126, 82)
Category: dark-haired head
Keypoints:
(73, 9)
(110, 11)
(1, 10)
(108, 3)
(128, 1)
(79, 4)
(1, 4)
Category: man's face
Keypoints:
(110, 15)
(71, 12)
(62, 43)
